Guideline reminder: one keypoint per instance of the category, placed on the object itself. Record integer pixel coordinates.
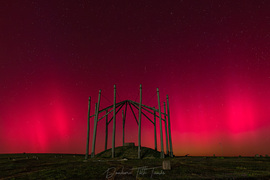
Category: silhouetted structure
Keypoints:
(115, 108)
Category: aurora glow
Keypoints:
(211, 58)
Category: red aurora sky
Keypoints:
(211, 58)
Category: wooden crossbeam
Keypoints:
(147, 111)
(143, 114)
(116, 113)
(133, 113)
(109, 107)
(152, 108)
(108, 112)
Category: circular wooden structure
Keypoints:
(116, 107)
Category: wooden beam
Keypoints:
(109, 111)
(150, 111)
(107, 108)
(151, 108)
(106, 131)
(160, 125)
(106, 115)
(155, 130)
(169, 127)
(92, 115)
(116, 113)
(114, 119)
(94, 134)
(165, 122)
(139, 129)
(95, 125)
(147, 110)
(124, 123)
(88, 129)
(144, 114)
(133, 113)
(123, 127)
(142, 105)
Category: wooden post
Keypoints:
(167, 147)
(123, 127)
(160, 124)
(88, 129)
(155, 130)
(113, 136)
(95, 125)
(139, 131)
(106, 131)
(94, 133)
(124, 124)
(126, 111)
(169, 127)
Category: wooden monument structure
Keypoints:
(116, 107)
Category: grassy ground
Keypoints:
(68, 166)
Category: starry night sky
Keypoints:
(211, 58)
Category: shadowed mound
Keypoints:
(130, 153)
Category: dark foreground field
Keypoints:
(66, 166)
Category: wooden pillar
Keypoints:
(88, 129)
(106, 131)
(124, 124)
(94, 133)
(123, 127)
(160, 124)
(140, 117)
(95, 125)
(169, 127)
(155, 130)
(165, 121)
(114, 119)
